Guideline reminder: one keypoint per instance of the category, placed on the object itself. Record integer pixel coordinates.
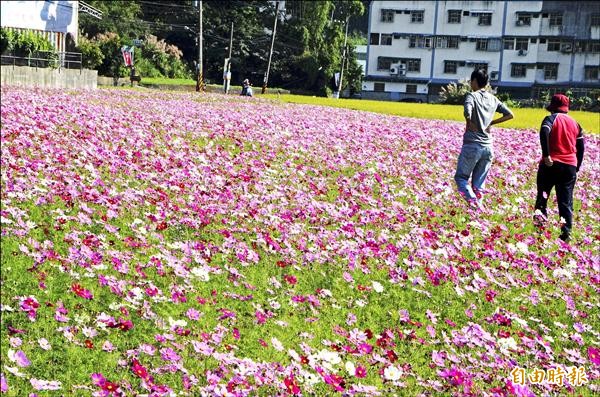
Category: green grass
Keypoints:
(167, 81)
(524, 118)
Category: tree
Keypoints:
(319, 29)
(121, 17)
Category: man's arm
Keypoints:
(579, 145)
(545, 140)
(507, 114)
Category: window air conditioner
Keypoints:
(494, 76)
(522, 53)
(519, 23)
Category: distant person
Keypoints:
(561, 139)
(246, 88)
(476, 155)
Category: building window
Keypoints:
(379, 87)
(556, 19)
(454, 16)
(411, 88)
(494, 45)
(481, 45)
(595, 20)
(523, 19)
(419, 42)
(384, 63)
(387, 15)
(553, 45)
(550, 71)
(374, 39)
(522, 44)
(591, 72)
(417, 16)
(518, 70)
(450, 67)
(594, 46)
(413, 65)
(485, 19)
(447, 42)
(478, 66)
(386, 39)
(509, 44)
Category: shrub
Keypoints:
(91, 54)
(454, 94)
(24, 43)
(164, 58)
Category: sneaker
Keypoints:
(565, 236)
(539, 220)
(475, 204)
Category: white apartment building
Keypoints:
(417, 47)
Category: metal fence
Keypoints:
(44, 59)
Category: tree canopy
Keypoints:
(308, 41)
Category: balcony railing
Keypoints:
(44, 59)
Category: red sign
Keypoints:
(127, 55)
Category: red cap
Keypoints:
(559, 103)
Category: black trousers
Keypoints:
(563, 177)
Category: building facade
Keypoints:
(56, 20)
(527, 47)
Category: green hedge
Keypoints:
(23, 43)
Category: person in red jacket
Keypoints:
(561, 139)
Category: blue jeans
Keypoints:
(474, 162)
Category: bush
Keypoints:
(508, 101)
(164, 58)
(24, 43)
(91, 54)
(454, 94)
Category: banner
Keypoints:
(127, 52)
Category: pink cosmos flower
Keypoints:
(3, 384)
(594, 355)
(360, 372)
(291, 385)
(81, 292)
(21, 359)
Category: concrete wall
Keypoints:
(47, 77)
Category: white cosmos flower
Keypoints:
(523, 247)
(177, 323)
(350, 367)
(392, 373)
(277, 344)
(200, 273)
(377, 287)
(44, 344)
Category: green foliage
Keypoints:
(454, 94)
(154, 58)
(121, 17)
(23, 43)
(7, 40)
(110, 45)
(508, 100)
(160, 59)
(91, 54)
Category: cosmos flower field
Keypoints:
(173, 244)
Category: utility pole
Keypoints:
(337, 94)
(227, 71)
(199, 83)
(265, 81)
